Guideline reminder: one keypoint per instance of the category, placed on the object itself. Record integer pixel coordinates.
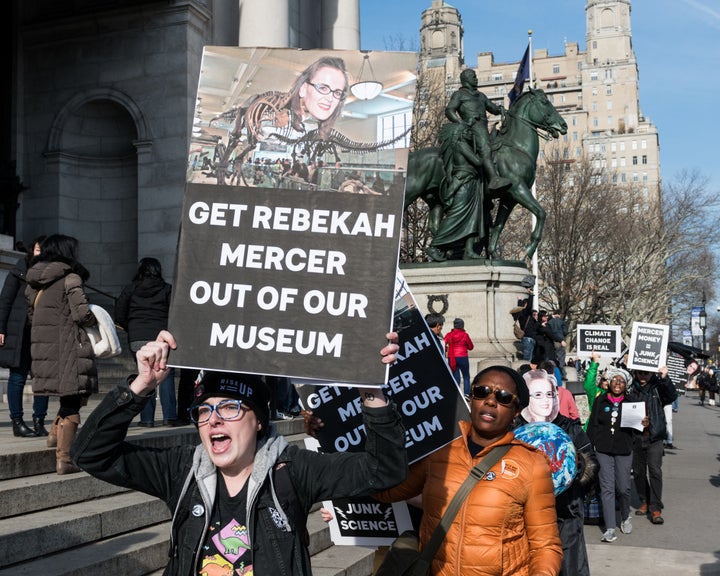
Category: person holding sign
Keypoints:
(508, 523)
(240, 499)
(657, 391)
(614, 450)
(544, 406)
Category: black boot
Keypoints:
(39, 425)
(20, 429)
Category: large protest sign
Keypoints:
(281, 272)
(648, 346)
(420, 383)
(364, 522)
(277, 282)
(600, 338)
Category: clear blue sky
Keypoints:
(675, 41)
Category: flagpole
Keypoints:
(536, 289)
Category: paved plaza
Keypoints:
(687, 544)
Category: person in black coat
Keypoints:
(142, 310)
(15, 348)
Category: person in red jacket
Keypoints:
(458, 343)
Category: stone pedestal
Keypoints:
(481, 294)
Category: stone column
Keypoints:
(264, 23)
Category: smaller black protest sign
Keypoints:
(420, 384)
(677, 372)
(648, 346)
(364, 522)
(602, 339)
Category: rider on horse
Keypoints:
(470, 106)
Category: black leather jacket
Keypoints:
(185, 478)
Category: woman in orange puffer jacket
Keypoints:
(507, 524)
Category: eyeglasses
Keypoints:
(225, 410)
(324, 89)
(502, 396)
(541, 395)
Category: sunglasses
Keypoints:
(501, 396)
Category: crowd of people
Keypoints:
(244, 478)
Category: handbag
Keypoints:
(518, 332)
(404, 558)
(103, 337)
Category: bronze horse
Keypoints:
(515, 151)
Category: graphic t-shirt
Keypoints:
(227, 548)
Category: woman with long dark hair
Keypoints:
(62, 356)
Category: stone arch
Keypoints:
(607, 18)
(97, 150)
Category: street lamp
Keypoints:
(703, 323)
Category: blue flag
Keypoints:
(523, 74)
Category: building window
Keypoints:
(622, 146)
(593, 73)
(497, 77)
(634, 145)
(609, 104)
(393, 125)
(622, 161)
(595, 121)
(635, 177)
(613, 163)
(644, 176)
(556, 68)
(574, 121)
(634, 160)
(623, 178)
(613, 146)
(594, 106)
(575, 136)
(578, 152)
(644, 158)
(643, 144)
(608, 90)
(614, 178)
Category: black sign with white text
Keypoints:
(287, 283)
(420, 383)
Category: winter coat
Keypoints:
(656, 394)
(13, 315)
(142, 308)
(506, 526)
(62, 356)
(185, 478)
(458, 342)
(599, 424)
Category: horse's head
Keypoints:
(541, 113)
